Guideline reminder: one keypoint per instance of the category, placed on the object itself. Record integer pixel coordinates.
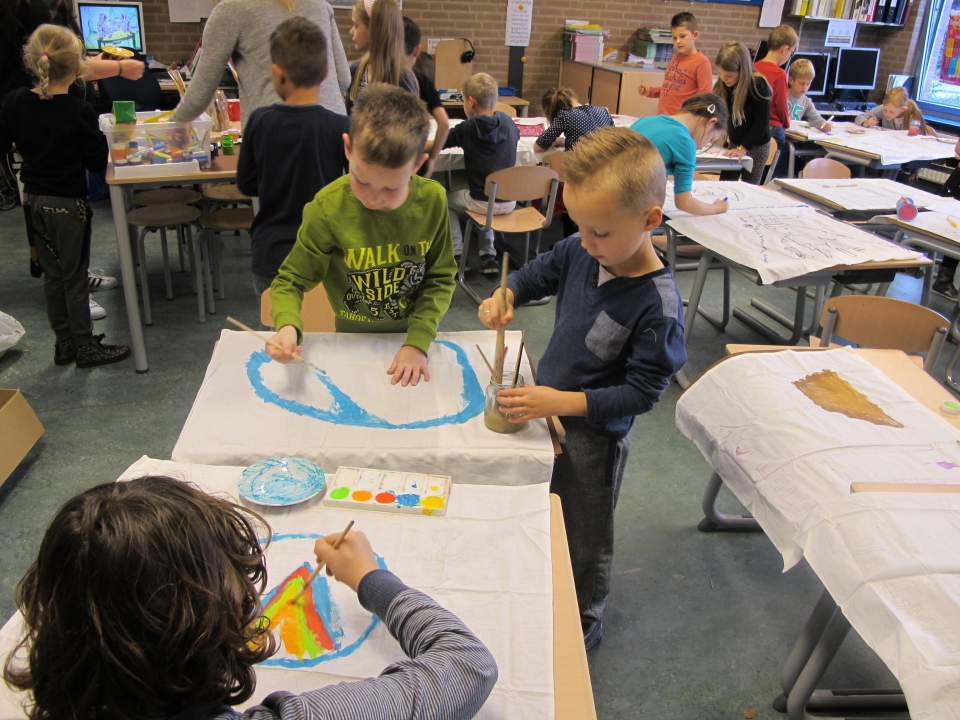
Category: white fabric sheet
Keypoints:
(894, 147)
(799, 127)
(785, 243)
(888, 559)
(368, 424)
(739, 196)
(488, 560)
(936, 223)
(782, 454)
(863, 193)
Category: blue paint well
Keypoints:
(345, 411)
(408, 500)
(328, 611)
(281, 481)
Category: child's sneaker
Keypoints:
(488, 265)
(98, 281)
(96, 353)
(96, 312)
(466, 268)
(65, 352)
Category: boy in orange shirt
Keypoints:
(689, 72)
(780, 47)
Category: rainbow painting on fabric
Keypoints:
(314, 629)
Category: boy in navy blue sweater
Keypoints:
(291, 150)
(617, 340)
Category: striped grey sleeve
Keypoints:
(220, 36)
(448, 675)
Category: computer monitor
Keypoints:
(111, 23)
(857, 68)
(821, 66)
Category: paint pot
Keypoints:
(119, 151)
(950, 407)
(492, 417)
(233, 109)
(906, 209)
(914, 128)
(227, 144)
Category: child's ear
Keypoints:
(346, 146)
(696, 35)
(423, 159)
(654, 218)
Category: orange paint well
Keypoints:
(361, 495)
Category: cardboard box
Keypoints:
(20, 429)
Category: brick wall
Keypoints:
(484, 20)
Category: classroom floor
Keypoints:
(698, 624)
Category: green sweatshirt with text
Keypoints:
(383, 270)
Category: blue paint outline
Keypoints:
(326, 613)
(344, 411)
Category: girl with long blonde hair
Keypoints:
(896, 112)
(60, 141)
(747, 95)
(385, 61)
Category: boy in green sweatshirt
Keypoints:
(378, 239)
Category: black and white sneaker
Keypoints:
(96, 280)
(65, 352)
(96, 353)
(96, 312)
(488, 265)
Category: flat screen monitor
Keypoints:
(821, 66)
(111, 23)
(857, 68)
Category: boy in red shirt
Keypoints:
(689, 72)
(780, 47)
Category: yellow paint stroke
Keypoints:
(834, 394)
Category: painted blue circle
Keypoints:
(281, 481)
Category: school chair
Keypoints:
(224, 194)
(160, 217)
(315, 311)
(450, 69)
(881, 322)
(825, 169)
(170, 196)
(767, 177)
(505, 109)
(212, 224)
(520, 184)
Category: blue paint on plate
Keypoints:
(281, 481)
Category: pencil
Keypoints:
(269, 341)
(313, 575)
(952, 221)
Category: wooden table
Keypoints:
(518, 103)
(222, 169)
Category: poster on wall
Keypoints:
(519, 20)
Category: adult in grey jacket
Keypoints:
(240, 30)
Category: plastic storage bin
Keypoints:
(157, 148)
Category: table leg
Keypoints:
(702, 270)
(524, 110)
(796, 324)
(928, 279)
(791, 158)
(127, 276)
(714, 519)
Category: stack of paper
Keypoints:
(584, 41)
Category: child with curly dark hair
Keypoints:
(144, 602)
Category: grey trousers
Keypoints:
(587, 477)
(61, 236)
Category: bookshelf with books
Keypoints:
(886, 13)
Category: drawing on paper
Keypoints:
(796, 238)
(342, 409)
(315, 628)
(834, 394)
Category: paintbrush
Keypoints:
(269, 341)
(498, 352)
(485, 361)
(313, 575)
(516, 370)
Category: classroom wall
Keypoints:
(484, 20)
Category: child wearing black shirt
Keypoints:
(58, 137)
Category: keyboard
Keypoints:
(823, 107)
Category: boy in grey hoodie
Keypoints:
(801, 75)
(489, 141)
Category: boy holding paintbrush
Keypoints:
(617, 340)
(378, 239)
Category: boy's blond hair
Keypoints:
(389, 126)
(802, 69)
(782, 35)
(621, 161)
(482, 88)
(52, 54)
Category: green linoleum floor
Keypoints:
(698, 625)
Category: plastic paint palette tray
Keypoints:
(388, 491)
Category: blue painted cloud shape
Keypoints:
(343, 410)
